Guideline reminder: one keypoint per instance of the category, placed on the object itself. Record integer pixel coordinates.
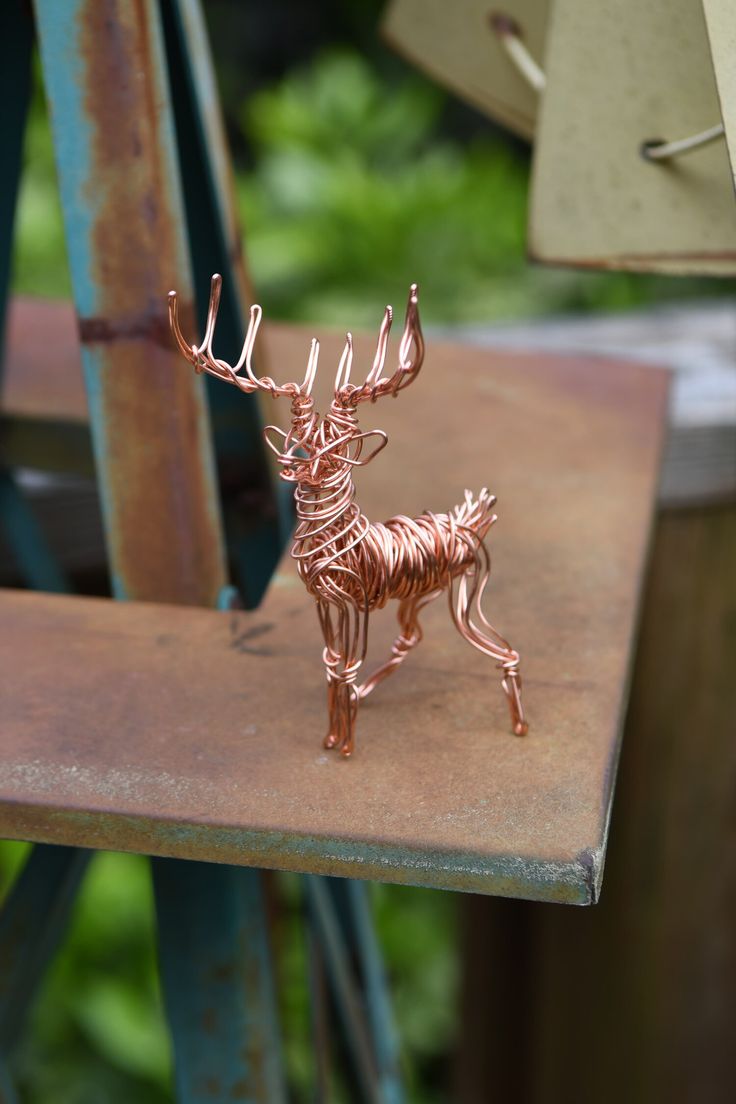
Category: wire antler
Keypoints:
(204, 360)
(375, 384)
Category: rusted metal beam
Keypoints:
(123, 214)
(196, 733)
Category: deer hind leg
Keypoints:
(409, 636)
(344, 630)
(465, 595)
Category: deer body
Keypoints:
(348, 564)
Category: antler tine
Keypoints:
(201, 357)
(188, 351)
(212, 309)
(254, 321)
(412, 335)
(381, 349)
(306, 387)
(408, 368)
(346, 363)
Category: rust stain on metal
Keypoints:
(255, 1046)
(146, 327)
(504, 24)
(162, 522)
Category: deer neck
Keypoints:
(327, 513)
(329, 509)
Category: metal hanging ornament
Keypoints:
(350, 565)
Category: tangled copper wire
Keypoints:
(350, 565)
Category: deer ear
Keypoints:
(359, 460)
(382, 442)
(275, 448)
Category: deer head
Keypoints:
(315, 448)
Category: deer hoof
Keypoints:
(330, 740)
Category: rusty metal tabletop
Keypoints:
(197, 734)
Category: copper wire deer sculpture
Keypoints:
(352, 566)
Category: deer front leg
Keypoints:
(344, 630)
(331, 657)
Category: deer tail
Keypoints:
(476, 513)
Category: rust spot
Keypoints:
(209, 1021)
(146, 327)
(503, 24)
(225, 972)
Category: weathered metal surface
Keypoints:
(32, 923)
(192, 733)
(112, 126)
(220, 1004)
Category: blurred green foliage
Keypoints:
(355, 189)
(356, 193)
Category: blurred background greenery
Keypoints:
(355, 176)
